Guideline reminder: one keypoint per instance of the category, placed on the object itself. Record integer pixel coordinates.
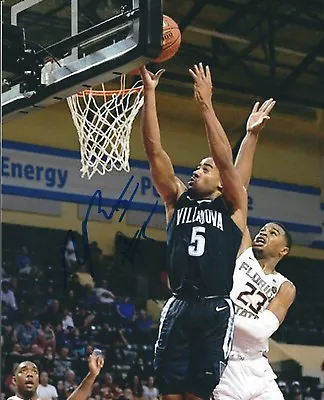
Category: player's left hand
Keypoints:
(259, 116)
(203, 87)
(95, 362)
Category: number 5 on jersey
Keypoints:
(197, 244)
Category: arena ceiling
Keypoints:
(258, 48)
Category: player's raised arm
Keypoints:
(164, 178)
(82, 392)
(254, 125)
(220, 149)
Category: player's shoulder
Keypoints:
(246, 255)
(287, 289)
(283, 279)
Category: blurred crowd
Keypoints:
(58, 326)
(56, 317)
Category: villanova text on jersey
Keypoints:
(187, 215)
(202, 245)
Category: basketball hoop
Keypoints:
(104, 129)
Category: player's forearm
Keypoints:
(259, 329)
(83, 390)
(150, 124)
(219, 145)
(245, 157)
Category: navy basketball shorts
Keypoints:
(193, 345)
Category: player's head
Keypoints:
(27, 379)
(205, 179)
(273, 240)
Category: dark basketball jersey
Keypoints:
(202, 246)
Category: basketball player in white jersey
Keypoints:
(27, 379)
(262, 297)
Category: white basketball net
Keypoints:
(104, 129)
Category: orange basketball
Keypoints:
(171, 39)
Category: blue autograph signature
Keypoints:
(121, 203)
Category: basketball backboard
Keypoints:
(60, 47)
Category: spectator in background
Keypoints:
(47, 361)
(8, 298)
(76, 287)
(308, 394)
(90, 297)
(126, 310)
(62, 363)
(34, 353)
(67, 321)
(150, 392)
(127, 394)
(44, 390)
(23, 261)
(84, 277)
(144, 326)
(9, 381)
(61, 391)
(47, 337)
(16, 350)
(104, 295)
(138, 368)
(83, 319)
(51, 315)
(108, 383)
(70, 255)
(70, 383)
(25, 334)
(136, 386)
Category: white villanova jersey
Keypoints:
(251, 293)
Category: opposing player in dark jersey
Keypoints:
(27, 379)
(204, 232)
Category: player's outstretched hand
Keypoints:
(203, 87)
(149, 79)
(95, 362)
(259, 116)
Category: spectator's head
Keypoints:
(5, 286)
(43, 378)
(136, 380)
(49, 353)
(17, 348)
(60, 386)
(26, 379)
(28, 322)
(70, 376)
(128, 394)
(24, 250)
(36, 350)
(64, 353)
(108, 379)
(150, 382)
(143, 314)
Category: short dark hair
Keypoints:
(289, 240)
